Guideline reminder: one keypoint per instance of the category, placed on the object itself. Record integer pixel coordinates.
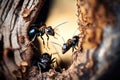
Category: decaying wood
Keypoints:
(13, 26)
(98, 49)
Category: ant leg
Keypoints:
(40, 64)
(43, 41)
(56, 64)
(47, 37)
(53, 61)
(34, 37)
(73, 48)
(28, 44)
(34, 46)
(47, 41)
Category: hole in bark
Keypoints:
(43, 17)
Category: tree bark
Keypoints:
(15, 18)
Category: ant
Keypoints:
(46, 62)
(34, 32)
(70, 43)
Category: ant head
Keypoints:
(75, 38)
(50, 31)
(45, 58)
(45, 55)
(64, 48)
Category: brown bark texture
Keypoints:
(98, 51)
(15, 18)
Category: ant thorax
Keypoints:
(43, 27)
(70, 41)
(41, 32)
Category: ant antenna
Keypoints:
(58, 56)
(56, 44)
(60, 24)
(57, 52)
(63, 39)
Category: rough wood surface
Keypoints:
(13, 26)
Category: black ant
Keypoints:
(34, 32)
(46, 62)
(70, 43)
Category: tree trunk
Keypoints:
(98, 48)
(15, 18)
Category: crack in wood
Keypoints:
(3, 7)
(26, 3)
(16, 5)
(6, 10)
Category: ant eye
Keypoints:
(74, 39)
(64, 46)
(48, 30)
